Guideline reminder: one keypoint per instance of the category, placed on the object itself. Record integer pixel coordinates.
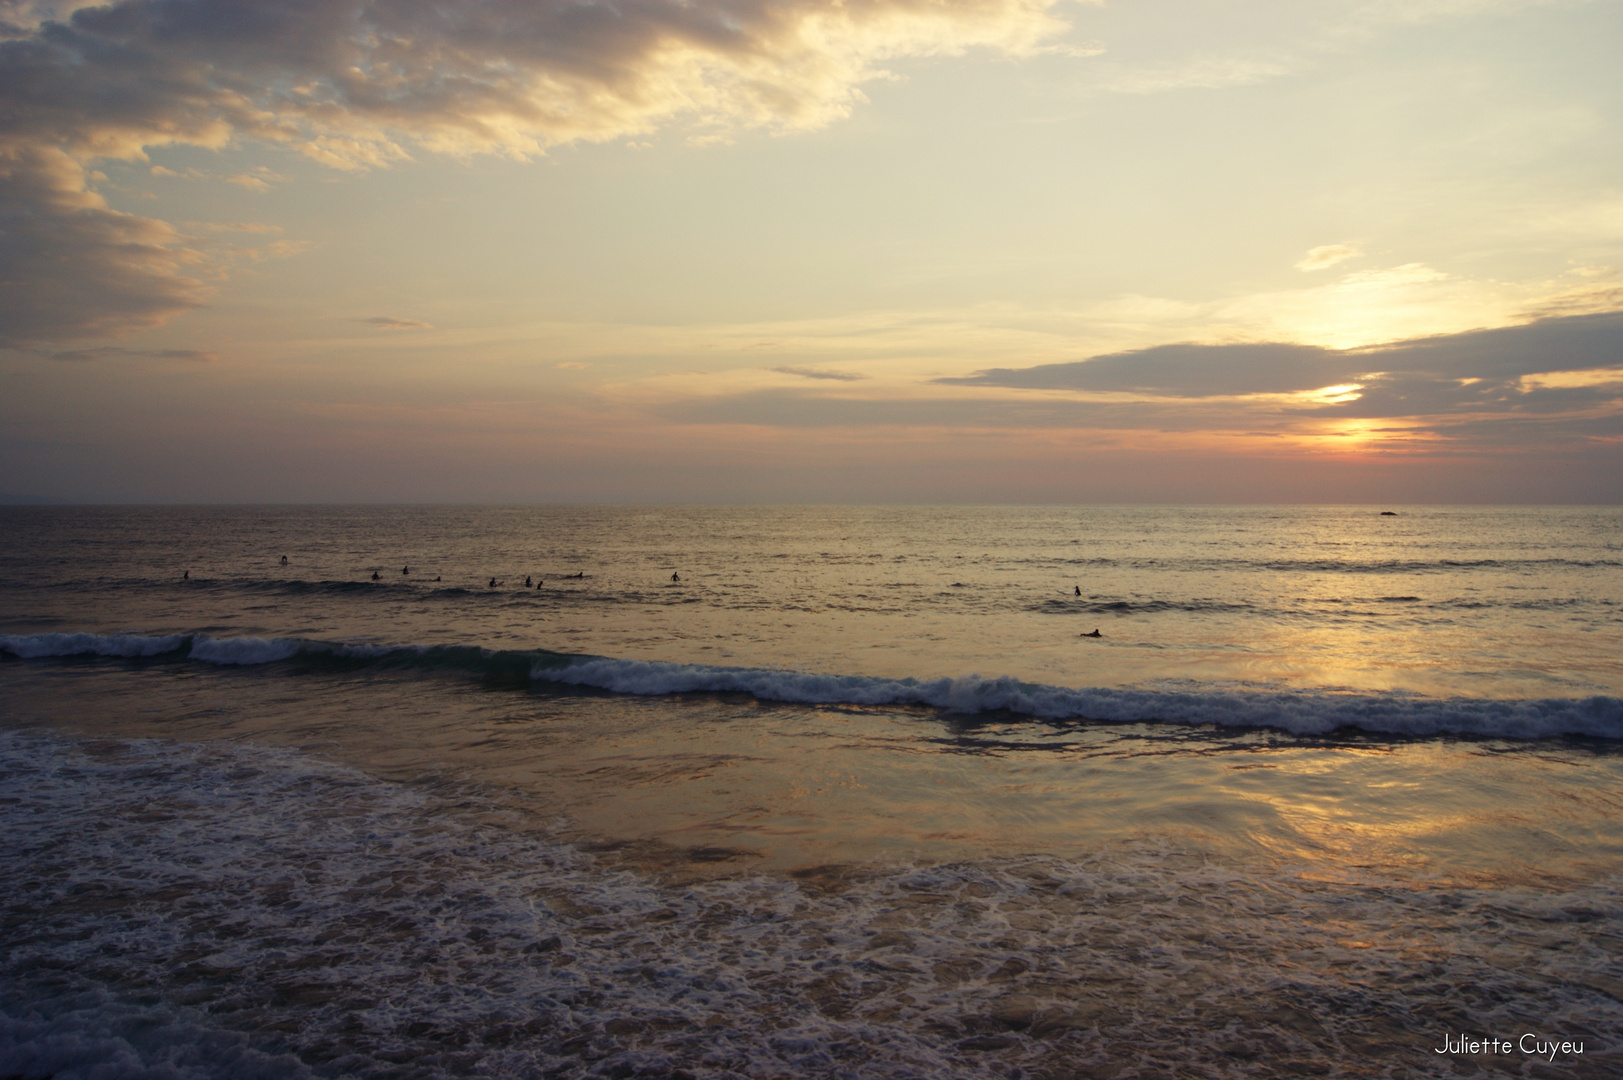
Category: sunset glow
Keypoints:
(744, 252)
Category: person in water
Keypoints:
(675, 576)
(405, 569)
(376, 576)
(1094, 634)
(187, 576)
(527, 583)
(284, 560)
(1079, 590)
(492, 583)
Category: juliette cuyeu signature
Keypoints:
(1529, 1045)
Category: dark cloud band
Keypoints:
(364, 83)
(1484, 389)
(1493, 358)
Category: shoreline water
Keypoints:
(763, 784)
(233, 906)
(1300, 711)
(272, 826)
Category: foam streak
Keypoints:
(1307, 712)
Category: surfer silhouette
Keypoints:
(676, 577)
(376, 576)
(405, 569)
(284, 560)
(1079, 590)
(1094, 634)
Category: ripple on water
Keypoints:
(242, 911)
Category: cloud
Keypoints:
(1550, 386)
(1188, 371)
(1490, 358)
(820, 373)
(356, 85)
(1549, 383)
(798, 409)
(1321, 258)
(71, 267)
(19, 18)
(110, 352)
(387, 323)
(235, 227)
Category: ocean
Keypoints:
(811, 792)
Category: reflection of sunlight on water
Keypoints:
(773, 787)
(322, 913)
(921, 891)
(1299, 596)
(1491, 813)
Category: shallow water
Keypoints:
(207, 909)
(770, 786)
(286, 821)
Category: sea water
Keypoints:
(811, 792)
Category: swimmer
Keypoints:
(284, 560)
(1094, 634)
(376, 576)
(527, 584)
(676, 577)
(1079, 590)
(405, 569)
(436, 577)
(492, 583)
(187, 576)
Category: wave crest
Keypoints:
(1301, 712)
(1308, 712)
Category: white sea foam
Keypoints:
(307, 913)
(93, 1035)
(1308, 712)
(1302, 712)
(245, 650)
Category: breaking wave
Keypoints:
(182, 912)
(1309, 712)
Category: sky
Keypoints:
(811, 251)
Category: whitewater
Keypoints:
(749, 792)
(1299, 711)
